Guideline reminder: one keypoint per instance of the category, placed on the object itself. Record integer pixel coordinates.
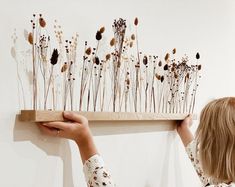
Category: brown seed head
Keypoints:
(145, 60)
(88, 51)
(102, 29)
(197, 56)
(30, 38)
(42, 22)
(136, 21)
(131, 44)
(133, 37)
(199, 67)
(158, 76)
(112, 42)
(96, 60)
(98, 35)
(108, 56)
(64, 68)
(167, 57)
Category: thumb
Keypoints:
(72, 116)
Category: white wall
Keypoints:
(139, 155)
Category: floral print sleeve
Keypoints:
(96, 174)
(192, 152)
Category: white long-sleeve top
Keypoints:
(97, 175)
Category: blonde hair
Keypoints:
(216, 139)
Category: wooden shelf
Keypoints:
(44, 116)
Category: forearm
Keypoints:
(87, 148)
(185, 135)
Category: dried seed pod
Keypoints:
(128, 81)
(167, 57)
(54, 57)
(136, 21)
(160, 63)
(166, 67)
(197, 56)
(175, 75)
(145, 60)
(112, 42)
(107, 57)
(174, 51)
(98, 35)
(199, 67)
(30, 38)
(96, 60)
(133, 37)
(88, 51)
(131, 44)
(42, 22)
(64, 68)
(102, 29)
(158, 76)
(187, 76)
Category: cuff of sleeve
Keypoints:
(92, 164)
(191, 146)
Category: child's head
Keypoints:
(216, 139)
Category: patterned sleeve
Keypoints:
(96, 174)
(192, 152)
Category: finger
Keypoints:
(48, 131)
(75, 117)
(56, 124)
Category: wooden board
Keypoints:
(44, 115)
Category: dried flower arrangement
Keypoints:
(118, 78)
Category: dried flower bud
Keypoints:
(187, 76)
(64, 68)
(108, 56)
(145, 60)
(167, 57)
(88, 51)
(199, 67)
(165, 67)
(54, 57)
(133, 37)
(112, 42)
(175, 75)
(158, 76)
(136, 21)
(30, 38)
(131, 44)
(96, 60)
(102, 29)
(160, 63)
(98, 35)
(42, 22)
(128, 81)
(174, 51)
(197, 56)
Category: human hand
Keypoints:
(183, 129)
(76, 128)
(185, 124)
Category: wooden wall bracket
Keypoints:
(46, 115)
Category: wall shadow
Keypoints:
(51, 146)
(113, 128)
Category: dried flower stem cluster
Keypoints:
(116, 78)
(45, 62)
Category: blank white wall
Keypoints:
(139, 155)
